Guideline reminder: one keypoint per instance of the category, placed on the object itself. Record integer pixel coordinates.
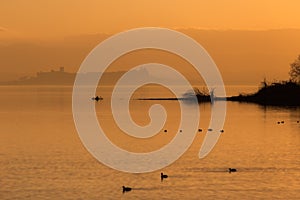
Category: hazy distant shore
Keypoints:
(61, 77)
(284, 93)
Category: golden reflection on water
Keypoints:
(41, 156)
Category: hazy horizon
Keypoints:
(243, 56)
(248, 40)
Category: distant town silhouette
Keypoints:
(61, 77)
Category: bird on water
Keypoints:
(163, 176)
(126, 189)
(232, 170)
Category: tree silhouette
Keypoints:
(295, 70)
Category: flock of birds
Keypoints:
(164, 176)
(199, 130)
(282, 122)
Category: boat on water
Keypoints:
(97, 98)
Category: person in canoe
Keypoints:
(97, 98)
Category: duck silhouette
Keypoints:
(162, 176)
(232, 170)
(126, 189)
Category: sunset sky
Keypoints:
(34, 18)
(33, 24)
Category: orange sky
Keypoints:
(40, 35)
(35, 18)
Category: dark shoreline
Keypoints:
(240, 99)
(286, 93)
(205, 99)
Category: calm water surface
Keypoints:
(41, 156)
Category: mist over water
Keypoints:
(41, 155)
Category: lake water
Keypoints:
(42, 157)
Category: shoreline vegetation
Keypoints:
(284, 93)
(281, 93)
